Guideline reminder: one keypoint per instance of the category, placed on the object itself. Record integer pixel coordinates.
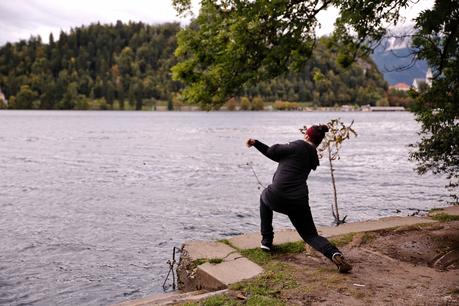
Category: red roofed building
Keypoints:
(400, 86)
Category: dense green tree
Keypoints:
(70, 96)
(52, 93)
(170, 105)
(110, 92)
(125, 62)
(233, 43)
(437, 107)
(25, 98)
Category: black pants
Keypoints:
(299, 214)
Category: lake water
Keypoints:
(92, 203)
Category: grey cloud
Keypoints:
(21, 19)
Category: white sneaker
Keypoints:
(266, 248)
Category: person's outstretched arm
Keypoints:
(275, 152)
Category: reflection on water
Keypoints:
(93, 202)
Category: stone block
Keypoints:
(230, 272)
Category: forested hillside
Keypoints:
(128, 65)
(326, 83)
(122, 62)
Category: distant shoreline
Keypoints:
(223, 109)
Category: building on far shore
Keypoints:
(369, 108)
(420, 83)
(400, 87)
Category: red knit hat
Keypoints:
(316, 133)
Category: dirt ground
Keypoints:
(405, 266)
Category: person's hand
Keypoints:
(250, 142)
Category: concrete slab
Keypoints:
(171, 298)
(451, 210)
(372, 225)
(191, 277)
(250, 241)
(204, 280)
(146, 300)
(202, 296)
(209, 250)
(231, 272)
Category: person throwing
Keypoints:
(288, 194)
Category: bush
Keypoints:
(101, 104)
(399, 98)
(382, 102)
(258, 104)
(244, 104)
(231, 104)
(82, 103)
(283, 105)
(177, 102)
(12, 102)
(3, 105)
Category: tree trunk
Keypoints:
(335, 209)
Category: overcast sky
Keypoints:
(19, 19)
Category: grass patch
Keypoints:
(443, 217)
(201, 261)
(216, 300)
(262, 285)
(226, 241)
(276, 278)
(258, 300)
(262, 257)
(215, 261)
(225, 300)
(290, 248)
(342, 240)
(435, 210)
(257, 256)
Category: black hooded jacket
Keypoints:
(296, 159)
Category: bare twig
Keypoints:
(256, 176)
